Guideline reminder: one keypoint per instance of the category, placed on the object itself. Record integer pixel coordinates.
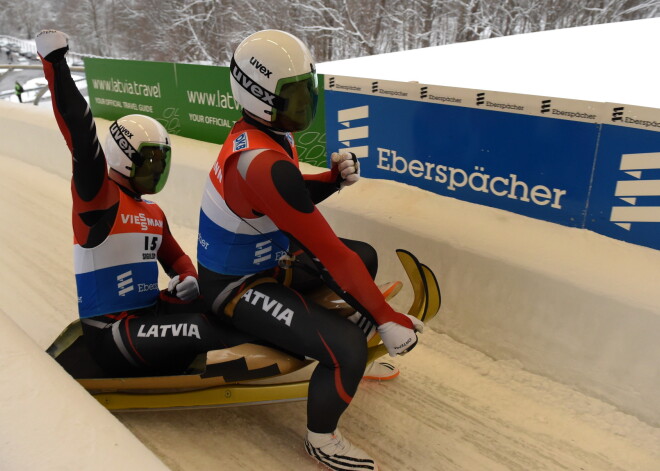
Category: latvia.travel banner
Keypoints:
(529, 155)
(188, 99)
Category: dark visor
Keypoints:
(301, 95)
(150, 176)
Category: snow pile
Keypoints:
(606, 63)
(37, 398)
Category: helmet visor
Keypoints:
(150, 176)
(301, 96)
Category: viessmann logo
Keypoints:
(351, 131)
(633, 192)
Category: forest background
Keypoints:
(207, 31)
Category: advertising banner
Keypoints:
(488, 148)
(189, 100)
(625, 198)
(576, 163)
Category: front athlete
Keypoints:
(258, 211)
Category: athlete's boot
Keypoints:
(337, 453)
(380, 371)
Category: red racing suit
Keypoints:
(255, 202)
(254, 195)
(119, 240)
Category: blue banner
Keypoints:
(625, 197)
(536, 166)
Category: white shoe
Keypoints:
(337, 453)
(380, 371)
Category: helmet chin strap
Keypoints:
(264, 122)
(258, 119)
(123, 181)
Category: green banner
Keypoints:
(190, 100)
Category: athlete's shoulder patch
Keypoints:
(241, 142)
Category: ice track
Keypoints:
(452, 408)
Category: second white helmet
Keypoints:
(272, 75)
(139, 148)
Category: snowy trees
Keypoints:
(208, 30)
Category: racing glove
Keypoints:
(399, 339)
(52, 45)
(185, 289)
(348, 167)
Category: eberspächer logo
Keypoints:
(481, 98)
(423, 92)
(331, 82)
(631, 191)
(374, 87)
(351, 133)
(125, 283)
(617, 113)
(545, 106)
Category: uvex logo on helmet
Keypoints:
(260, 67)
(118, 134)
(255, 89)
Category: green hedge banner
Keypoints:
(190, 100)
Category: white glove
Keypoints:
(185, 290)
(399, 339)
(49, 40)
(348, 166)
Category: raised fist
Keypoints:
(52, 45)
(348, 167)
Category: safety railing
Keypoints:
(41, 90)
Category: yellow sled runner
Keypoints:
(240, 375)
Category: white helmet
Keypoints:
(139, 148)
(274, 78)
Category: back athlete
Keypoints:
(129, 326)
(256, 201)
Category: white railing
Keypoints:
(28, 47)
(41, 90)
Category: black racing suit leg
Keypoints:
(284, 318)
(162, 339)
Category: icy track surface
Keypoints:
(452, 408)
